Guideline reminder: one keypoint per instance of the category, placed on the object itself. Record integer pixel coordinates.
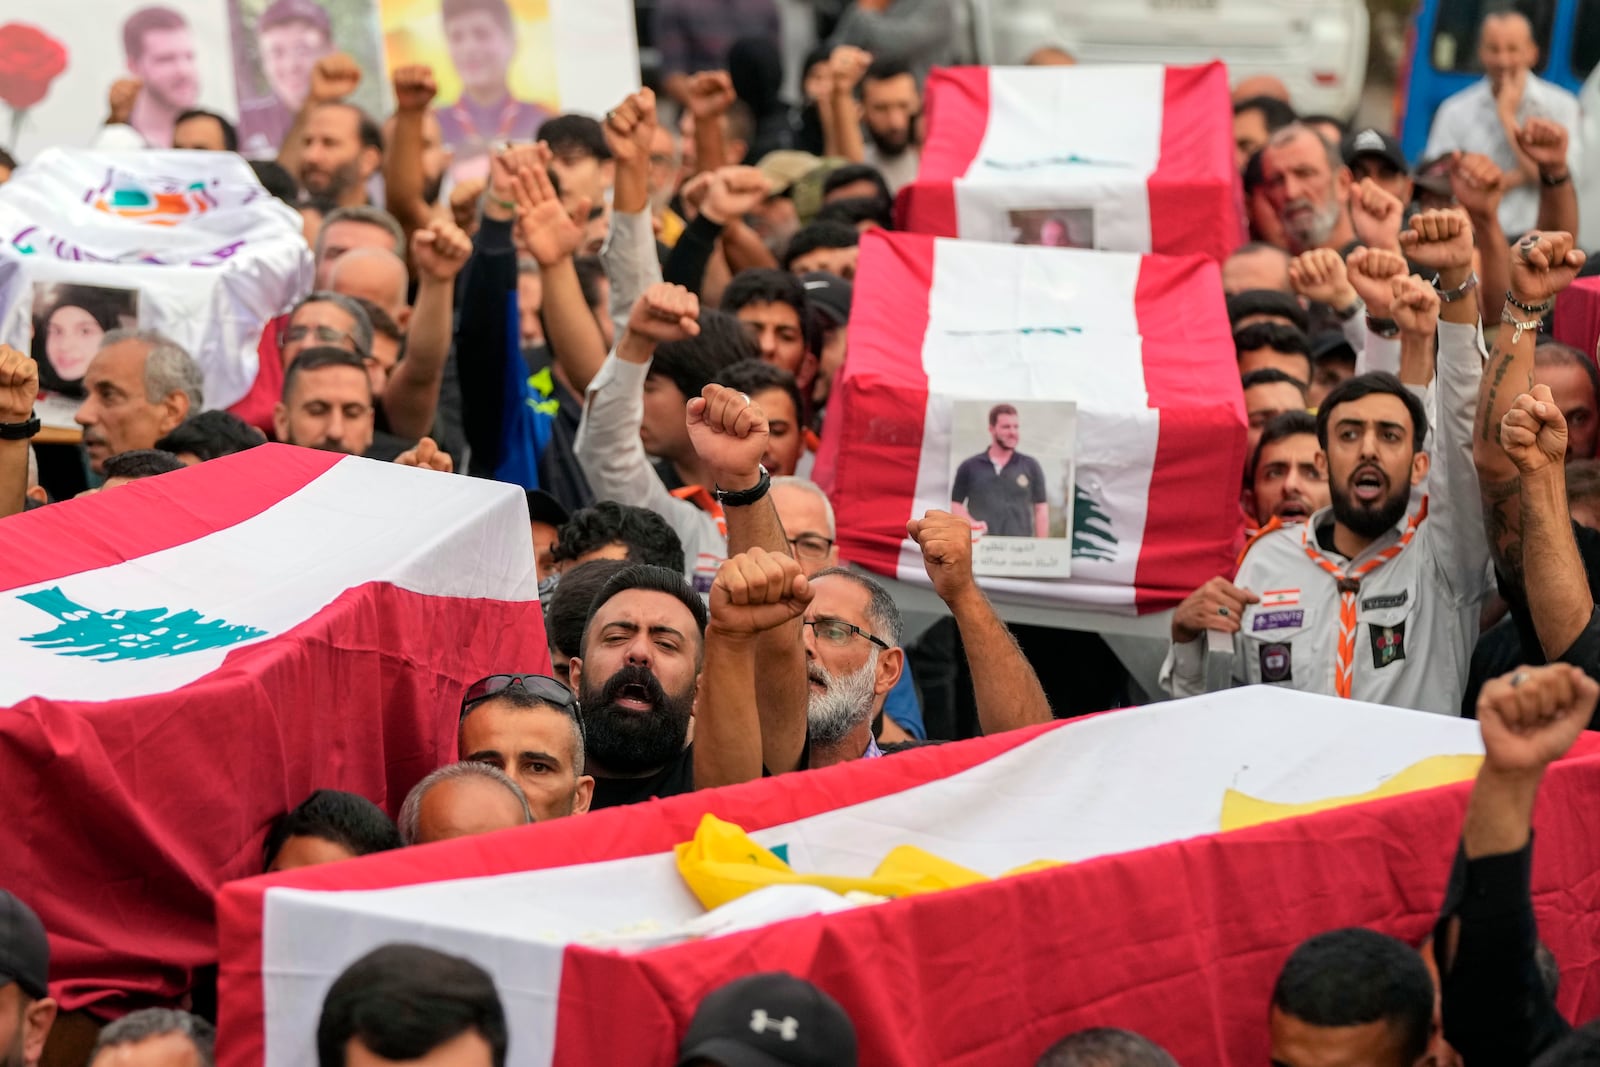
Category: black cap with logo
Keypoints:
(1371, 142)
(770, 1020)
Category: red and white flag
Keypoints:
(1141, 344)
(189, 656)
(1127, 158)
(1158, 922)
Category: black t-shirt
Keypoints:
(1585, 651)
(676, 777)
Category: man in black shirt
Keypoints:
(636, 682)
(1497, 1009)
(1000, 488)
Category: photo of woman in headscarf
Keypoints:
(68, 323)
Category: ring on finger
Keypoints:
(1223, 612)
(1518, 678)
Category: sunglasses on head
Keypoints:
(540, 686)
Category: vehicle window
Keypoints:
(1586, 40)
(1455, 33)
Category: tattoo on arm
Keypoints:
(1501, 361)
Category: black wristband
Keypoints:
(743, 498)
(1383, 327)
(19, 431)
(1551, 183)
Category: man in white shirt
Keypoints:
(1485, 117)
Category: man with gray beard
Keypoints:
(852, 633)
(1309, 187)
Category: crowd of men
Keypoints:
(682, 297)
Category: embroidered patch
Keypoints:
(1277, 620)
(1280, 598)
(1388, 644)
(1378, 603)
(1022, 480)
(1276, 665)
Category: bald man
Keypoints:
(462, 800)
(374, 274)
(1485, 116)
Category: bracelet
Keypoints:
(1450, 296)
(1349, 311)
(1511, 320)
(503, 205)
(1386, 328)
(1550, 182)
(1532, 309)
(19, 431)
(742, 498)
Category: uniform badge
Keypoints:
(1276, 664)
(1022, 480)
(1388, 644)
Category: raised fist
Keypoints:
(729, 433)
(414, 87)
(19, 385)
(1319, 275)
(1376, 214)
(710, 94)
(440, 251)
(757, 591)
(1545, 141)
(1476, 184)
(1534, 432)
(847, 64)
(1414, 305)
(1441, 240)
(946, 543)
(1532, 716)
(666, 312)
(120, 100)
(734, 192)
(1371, 271)
(334, 77)
(630, 126)
(1543, 264)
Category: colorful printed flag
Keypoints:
(187, 243)
(1140, 344)
(1127, 158)
(1163, 924)
(188, 657)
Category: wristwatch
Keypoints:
(19, 431)
(743, 498)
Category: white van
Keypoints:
(1318, 47)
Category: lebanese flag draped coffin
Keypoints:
(1129, 158)
(1140, 343)
(1157, 922)
(189, 656)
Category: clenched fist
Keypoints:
(414, 87)
(1531, 717)
(1217, 605)
(946, 543)
(1543, 264)
(757, 591)
(665, 312)
(1534, 432)
(1372, 271)
(19, 385)
(334, 77)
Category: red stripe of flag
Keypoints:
(152, 516)
(956, 106)
(885, 448)
(1195, 197)
(1192, 521)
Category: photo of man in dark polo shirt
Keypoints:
(1000, 487)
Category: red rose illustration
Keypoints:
(30, 59)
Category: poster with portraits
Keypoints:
(502, 66)
(1011, 475)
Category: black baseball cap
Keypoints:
(831, 294)
(24, 948)
(543, 507)
(1331, 346)
(770, 1020)
(1368, 141)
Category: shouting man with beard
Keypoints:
(1364, 600)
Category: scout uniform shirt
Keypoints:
(1396, 624)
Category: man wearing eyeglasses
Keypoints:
(527, 725)
(853, 655)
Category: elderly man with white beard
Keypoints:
(853, 654)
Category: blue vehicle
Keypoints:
(1442, 54)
